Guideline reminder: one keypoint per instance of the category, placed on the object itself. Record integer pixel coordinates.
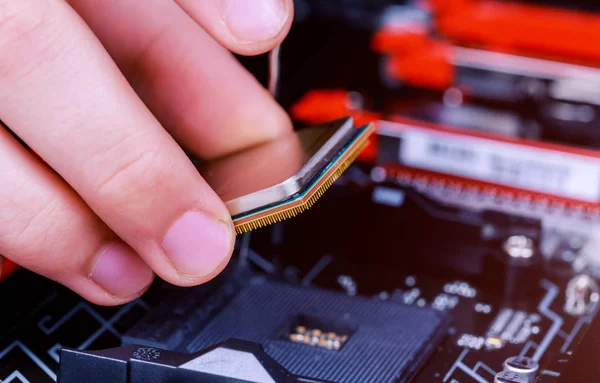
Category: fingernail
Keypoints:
(255, 20)
(120, 271)
(197, 244)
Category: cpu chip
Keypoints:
(282, 178)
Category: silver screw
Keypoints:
(519, 246)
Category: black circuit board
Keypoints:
(39, 317)
(486, 325)
(29, 353)
(539, 330)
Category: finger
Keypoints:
(89, 125)
(224, 173)
(199, 92)
(45, 227)
(245, 27)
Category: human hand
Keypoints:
(103, 92)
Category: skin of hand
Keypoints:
(104, 93)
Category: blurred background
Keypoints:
(522, 73)
(527, 69)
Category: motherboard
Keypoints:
(418, 294)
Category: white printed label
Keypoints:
(543, 170)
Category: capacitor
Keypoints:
(514, 267)
(510, 377)
(522, 365)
